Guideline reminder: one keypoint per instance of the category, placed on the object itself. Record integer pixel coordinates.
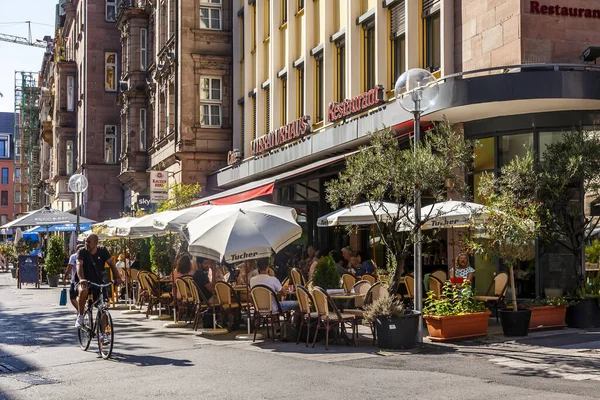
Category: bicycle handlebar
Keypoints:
(102, 286)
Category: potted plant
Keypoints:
(160, 259)
(456, 314)
(55, 259)
(395, 326)
(547, 313)
(326, 275)
(584, 309)
(592, 255)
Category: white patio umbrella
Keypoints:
(361, 214)
(45, 216)
(137, 227)
(108, 228)
(175, 220)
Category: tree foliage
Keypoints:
(55, 259)
(181, 195)
(386, 171)
(326, 275)
(160, 259)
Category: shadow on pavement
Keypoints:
(148, 360)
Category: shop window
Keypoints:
(143, 49)
(484, 155)
(69, 157)
(4, 146)
(548, 138)
(433, 47)
(143, 129)
(398, 38)
(369, 55)
(110, 72)
(319, 93)
(210, 101)
(110, 144)
(4, 198)
(110, 10)
(300, 90)
(5, 176)
(511, 146)
(210, 14)
(70, 93)
(340, 70)
(283, 100)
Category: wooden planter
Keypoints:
(457, 327)
(547, 317)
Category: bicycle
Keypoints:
(88, 329)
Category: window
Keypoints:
(433, 51)
(4, 146)
(254, 117)
(284, 10)
(143, 49)
(143, 121)
(5, 176)
(369, 56)
(267, 18)
(69, 157)
(511, 146)
(17, 197)
(210, 101)
(17, 174)
(210, 14)
(110, 144)
(283, 100)
(300, 105)
(398, 38)
(3, 219)
(300, 4)
(242, 128)
(319, 86)
(341, 71)
(268, 109)
(70, 93)
(110, 72)
(18, 147)
(110, 10)
(4, 198)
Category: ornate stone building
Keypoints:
(176, 90)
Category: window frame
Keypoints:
(17, 147)
(108, 65)
(368, 61)
(69, 160)
(17, 176)
(212, 5)
(3, 196)
(18, 194)
(397, 70)
(284, 92)
(340, 70)
(5, 175)
(112, 135)
(70, 93)
(6, 140)
(108, 4)
(300, 78)
(319, 88)
(143, 49)
(428, 52)
(143, 128)
(211, 102)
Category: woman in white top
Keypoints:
(463, 269)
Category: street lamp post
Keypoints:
(78, 184)
(416, 91)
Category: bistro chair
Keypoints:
(184, 302)
(133, 279)
(369, 278)
(155, 296)
(200, 302)
(304, 305)
(142, 289)
(297, 278)
(495, 293)
(347, 282)
(262, 297)
(435, 286)
(328, 315)
(229, 302)
(440, 275)
(409, 282)
(360, 287)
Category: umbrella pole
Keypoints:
(127, 277)
(214, 330)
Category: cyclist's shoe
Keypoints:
(79, 322)
(105, 338)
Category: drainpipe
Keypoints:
(177, 73)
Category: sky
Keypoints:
(15, 57)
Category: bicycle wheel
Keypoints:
(106, 334)
(84, 333)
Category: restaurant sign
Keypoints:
(285, 134)
(537, 8)
(158, 186)
(362, 102)
(234, 157)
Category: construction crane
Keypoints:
(22, 40)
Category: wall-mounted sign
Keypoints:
(355, 105)
(287, 133)
(537, 8)
(158, 197)
(143, 202)
(158, 186)
(234, 157)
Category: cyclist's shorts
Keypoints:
(73, 291)
(95, 292)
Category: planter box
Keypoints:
(584, 315)
(457, 327)
(547, 317)
(398, 333)
(515, 323)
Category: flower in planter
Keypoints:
(455, 300)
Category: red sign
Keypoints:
(287, 133)
(536, 8)
(355, 105)
(234, 157)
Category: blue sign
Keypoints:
(86, 226)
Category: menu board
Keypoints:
(28, 270)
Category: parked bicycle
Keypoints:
(102, 328)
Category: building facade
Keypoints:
(313, 78)
(7, 177)
(175, 91)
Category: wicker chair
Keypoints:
(360, 287)
(304, 305)
(133, 281)
(201, 304)
(329, 314)
(229, 303)
(142, 289)
(436, 286)
(409, 282)
(155, 295)
(347, 282)
(185, 301)
(262, 297)
(494, 295)
(297, 278)
(369, 278)
(440, 274)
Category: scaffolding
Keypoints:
(27, 136)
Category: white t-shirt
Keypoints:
(269, 281)
(73, 262)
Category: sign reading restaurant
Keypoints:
(287, 133)
(355, 105)
(556, 9)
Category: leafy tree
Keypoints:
(55, 259)
(160, 259)
(385, 171)
(513, 222)
(181, 195)
(326, 275)
(569, 169)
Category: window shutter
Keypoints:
(398, 16)
(243, 131)
(268, 111)
(430, 6)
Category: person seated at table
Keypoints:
(135, 264)
(312, 252)
(339, 262)
(348, 254)
(202, 279)
(182, 268)
(463, 268)
(263, 278)
(247, 272)
(363, 264)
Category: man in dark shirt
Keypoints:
(90, 268)
(201, 278)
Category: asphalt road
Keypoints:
(40, 359)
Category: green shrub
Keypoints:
(55, 258)
(384, 307)
(455, 300)
(326, 275)
(592, 252)
(159, 255)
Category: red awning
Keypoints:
(244, 196)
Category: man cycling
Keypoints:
(90, 268)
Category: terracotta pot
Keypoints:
(547, 317)
(457, 327)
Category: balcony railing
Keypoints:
(125, 5)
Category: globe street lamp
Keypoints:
(78, 184)
(416, 91)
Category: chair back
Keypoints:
(320, 298)
(435, 285)
(182, 289)
(309, 285)
(440, 275)
(262, 297)
(347, 282)
(500, 284)
(226, 277)
(223, 292)
(133, 274)
(369, 278)
(195, 290)
(361, 287)
(375, 292)
(297, 278)
(141, 280)
(409, 282)
(304, 299)
(152, 286)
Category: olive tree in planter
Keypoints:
(55, 259)
(511, 227)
